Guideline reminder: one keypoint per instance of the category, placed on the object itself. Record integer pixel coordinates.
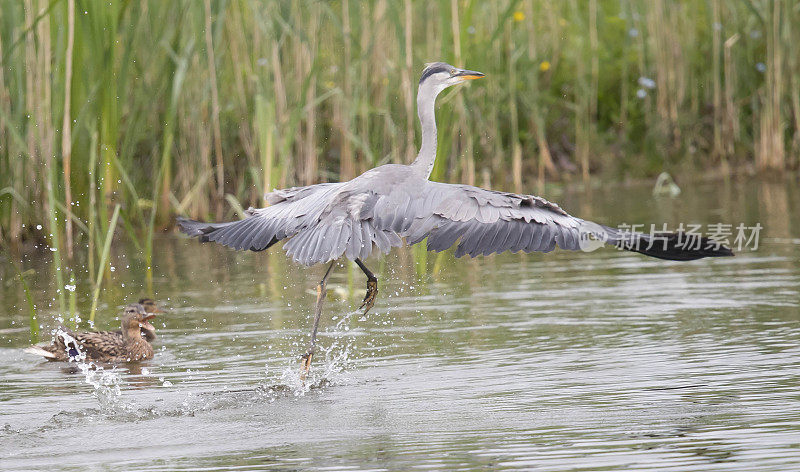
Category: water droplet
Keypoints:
(647, 82)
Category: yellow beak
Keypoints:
(469, 75)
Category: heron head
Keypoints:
(440, 75)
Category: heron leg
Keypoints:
(372, 287)
(321, 291)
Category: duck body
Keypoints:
(126, 345)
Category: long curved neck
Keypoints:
(426, 98)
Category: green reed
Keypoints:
(200, 108)
(101, 268)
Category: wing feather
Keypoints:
(326, 221)
(322, 246)
(354, 245)
(341, 240)
(517, 241)
(310, 253)
(444, 236)
(488, 222)
(366, 239)
(380, 207)
(382, 242)
(502, 241)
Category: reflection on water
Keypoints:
(541, 362)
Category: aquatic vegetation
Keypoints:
(256, 95)
(170, 107)
(101, 269)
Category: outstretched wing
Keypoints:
(324, 222)
(290, 211)
(485, 222)
(480, 221)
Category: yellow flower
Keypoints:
(544, 66)
(562, 22)
(519, 16)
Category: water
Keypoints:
(565, 361)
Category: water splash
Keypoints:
(71, 346)
(108, 385)
(292, 379)
(331, 363)
(107, 388)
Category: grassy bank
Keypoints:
(189, 107)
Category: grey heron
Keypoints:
(393, 204)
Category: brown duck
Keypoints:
(126, 345)
(150, 306)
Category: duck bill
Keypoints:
(145, 323)
(470, 75)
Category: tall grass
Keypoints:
(198, 104)
(103, 258)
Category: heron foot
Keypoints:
(306, 363)
(369, 298)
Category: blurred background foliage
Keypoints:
(191, 107)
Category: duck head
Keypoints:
(135, 321)
(150, 306)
